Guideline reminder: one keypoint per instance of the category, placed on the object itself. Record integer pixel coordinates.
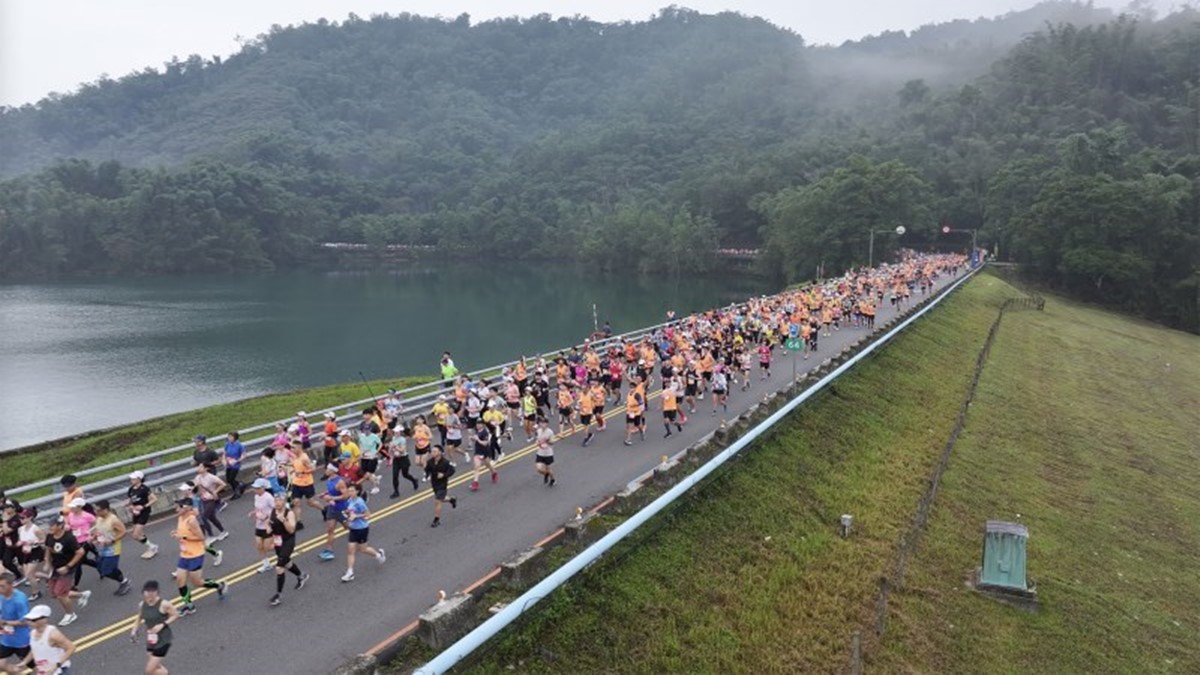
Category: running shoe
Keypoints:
(348, 576)
(375, 490)
(382, 557)
(218, 558)
(35, 596)
(301, 581)
(454, 502)
(123, 587)
(275, 600)
(495, 477)
(474, 486)
(325, 554)
(266, 565)
(189, 608)
(150, 552)
(221, 586)
(68, 619)
(223, 536)
(83, 599)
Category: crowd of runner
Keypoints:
(538, 401)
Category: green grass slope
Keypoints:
(1085, 427)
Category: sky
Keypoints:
(55, 45)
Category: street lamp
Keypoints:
(946, 229)
(871, 248)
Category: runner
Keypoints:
(398, 457)
(485, 454)
(49, 650)
(335, 506)
(764, 359)
(30, 538)
(720, 389)
(189, 491)
(331, 437)
(422, 437)
(453, 438)
(63, 556)
(209, 488)
(635, 407)
(234, 450)
(529, 413)
(441, 416)
(371, 444)
(544, 455)
(191, 556)
(107, 535)
(301, 487)
(497, 423)
(204, 454)
(439, 470)
(283, 526)
(599, 399)
(587, 408)
(10, 525)
(670, 408)
(140, 502)
(80, 522)
(356, 515)
(156, 614)
(14, 633)
(264, 504)
(566, 403)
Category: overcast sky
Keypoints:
(54, 45)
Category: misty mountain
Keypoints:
(1073, 147)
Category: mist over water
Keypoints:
(82, 356)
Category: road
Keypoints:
(318, 628)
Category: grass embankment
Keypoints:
(55, 458)
(1086, 425)
(749, 575)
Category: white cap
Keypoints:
(138, 475)
(441, 397)
(78, 502)
(331, 415)
(38, 612)
(261, 483)
(295, 428)
(185, 487)
(301, 414)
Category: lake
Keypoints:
(86, 355)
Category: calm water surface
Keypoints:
(81, 356)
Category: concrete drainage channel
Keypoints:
(453, 617)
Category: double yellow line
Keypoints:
(125, 625)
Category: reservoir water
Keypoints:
(85, 355)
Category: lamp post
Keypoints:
(946, 229)
(871, 248)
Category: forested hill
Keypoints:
(633, 145)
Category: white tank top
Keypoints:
(45, 654)
(28, 537)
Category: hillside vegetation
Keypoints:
(635, 145)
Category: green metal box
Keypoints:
(1004, 555)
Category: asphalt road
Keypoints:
(318, 628)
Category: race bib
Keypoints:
(9, 630)
(277, 540)
(151, 638)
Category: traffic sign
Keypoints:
(945, 229)
(792, 344)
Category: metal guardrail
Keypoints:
(465, 646)
(160, 474)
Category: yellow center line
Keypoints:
(124, 625)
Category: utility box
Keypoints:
(1004, 556)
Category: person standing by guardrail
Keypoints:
(448, 369)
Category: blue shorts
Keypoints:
(191, 564)
(108, 564)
